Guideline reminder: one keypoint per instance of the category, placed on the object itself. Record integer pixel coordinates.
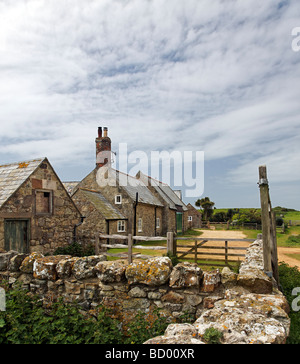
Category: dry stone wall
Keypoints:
(245, 307)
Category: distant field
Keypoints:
(287, 215)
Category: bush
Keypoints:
(289, 279)
(75, 250)
(26, 321)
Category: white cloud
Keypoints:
(214, 76)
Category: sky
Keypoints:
(211, 76)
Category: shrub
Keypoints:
(75, 250)
(289, 279)
(26, 321)
(212, 336)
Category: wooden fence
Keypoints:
(197, 252)
(100, 246)
(201, 254)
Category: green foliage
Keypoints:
(173, 258)
(75, 250)
(207, 207)
(212, 336)
(294, 240)
(289, 278)
(248, 216)
(25, 321)
(145, 327)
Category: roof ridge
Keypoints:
(21, 162)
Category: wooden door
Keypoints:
(179, 216)
(16, 235)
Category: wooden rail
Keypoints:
(194, 251)
(129, 238)
(173, 247)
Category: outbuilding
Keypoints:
(36, 212)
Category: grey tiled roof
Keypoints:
(108, 211)
(12, 176)
(132, 186)
(165, 192)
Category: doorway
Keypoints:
(16, 235)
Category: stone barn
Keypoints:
(36, 212)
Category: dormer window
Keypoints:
(118, 199)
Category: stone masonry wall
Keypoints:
(245, 307)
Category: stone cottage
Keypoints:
(150, 211)
(175, 216)
(194, 217)
(36, 212)
(99, 215)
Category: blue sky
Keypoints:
(193, 75)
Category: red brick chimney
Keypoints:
(103, 148)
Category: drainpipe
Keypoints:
(155, 216)
(75, 228)
(135, 208)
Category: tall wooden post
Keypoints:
(171, 243)
(265, 219)
(130, 242)
(226, 253)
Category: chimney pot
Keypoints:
(105, 132)
(99, 132)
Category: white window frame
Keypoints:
(157, 223)
(121, 226)
(140, 225)
(118, 197)
(190, 218)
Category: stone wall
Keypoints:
(245, 307)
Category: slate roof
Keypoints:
(12, 176)
(165, 192)
(132, 186)
(108, 211)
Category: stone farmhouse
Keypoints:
(144, 209)
(194, 217)
(36, 212)
(175, 215)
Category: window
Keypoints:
(157, 223)
(140, 225)
(190, 218)
(43, 202)
(118, 199)
(121, 226)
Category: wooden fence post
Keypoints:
(226, 253)
(130, 248)
(265, 219)
(171, 243)
(274, 253)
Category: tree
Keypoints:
(206, 205)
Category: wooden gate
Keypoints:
(200, 253)
(16, 235)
